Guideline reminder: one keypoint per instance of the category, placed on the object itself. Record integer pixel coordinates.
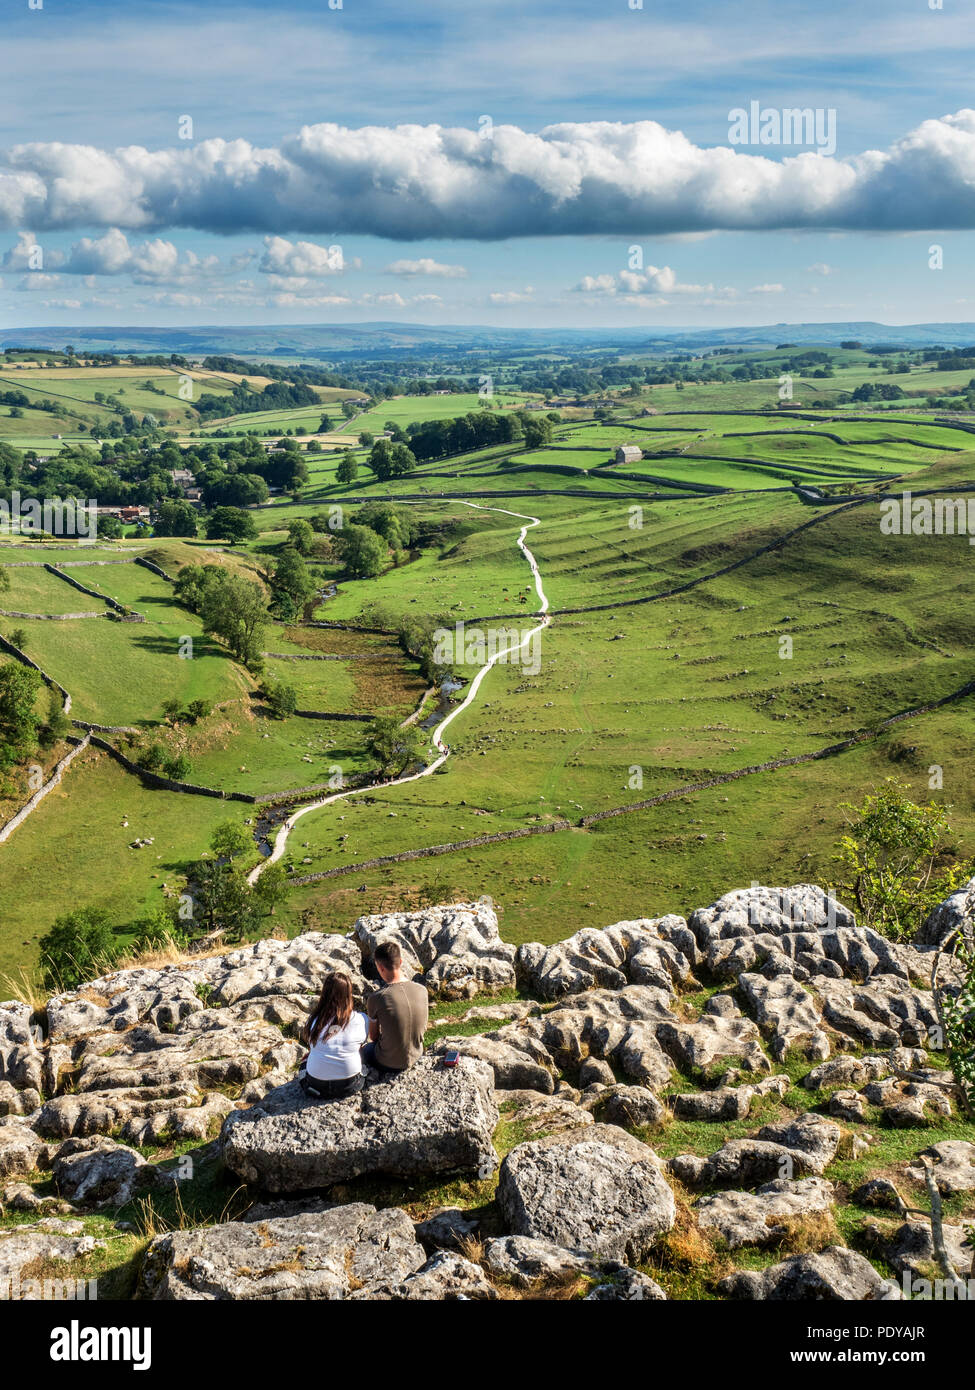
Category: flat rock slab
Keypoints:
(596, 1190)
(47, 1246)
(953, 1164)
(314, 1255)
(431, 1119)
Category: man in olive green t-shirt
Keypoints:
(397, 1015)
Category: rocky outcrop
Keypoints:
(596, 1190)
(640, 952)
(952, 1163)
(431, 1119)
(20, 1151)
(456, 950)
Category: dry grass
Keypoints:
(24, 988)
(802, 1234)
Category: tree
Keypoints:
(19, 638)
(175, 519)
(301, 535)
(19, 688)
(109, 527)
(293, 578)
(58, 725)
(79, 946)
(348, 469)
(271, 887)
(394, 748)
(326, 425)
(172, 709)
(362, 551)
(230, 524)
(896, 861)
(235, 611)
(198, 709)
(223, 899)
(230, 840)
(366, 438)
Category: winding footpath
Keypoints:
(443, 752)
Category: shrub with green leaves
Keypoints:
(897, 861)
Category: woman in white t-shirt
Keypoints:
(333, 1034)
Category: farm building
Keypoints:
(629, 453)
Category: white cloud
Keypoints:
(300, 258)
(512, 296)
(819, 268)
(767, 289)
(408, 182)
(652, 281)
(426, 266)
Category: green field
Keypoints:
(680, 688)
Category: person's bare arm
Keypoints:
(374, 1030)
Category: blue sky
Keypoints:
(543, 141)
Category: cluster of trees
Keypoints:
(276, 395)
(878, 391)
(479, 429)
(231, 608)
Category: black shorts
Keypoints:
(330, 1090)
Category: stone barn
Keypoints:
(629, 453)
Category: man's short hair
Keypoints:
(388, 955)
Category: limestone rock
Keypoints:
(314, 1255)
(449, 1228)
(746, 1218)
(537, 1115)
(20, 1151)
(946, 918)
(430, 1119)
(726, 1102)
(625, 1285)
(604, 958)
(457, 949)
(596, 1190)
(523, 1260)
(49, 1244)
(629, 1106)
(97, 1172)
(832, 1274)
(911, 1248)
(446, 1277)
(953, 1164)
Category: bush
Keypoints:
(80, 945)
(897, 861)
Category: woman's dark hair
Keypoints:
(333, 1010)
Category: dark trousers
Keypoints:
(330, 1090)
(368, 1054)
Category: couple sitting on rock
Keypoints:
(387, 1038)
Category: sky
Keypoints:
(519, 163)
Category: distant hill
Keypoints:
(340, 339)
